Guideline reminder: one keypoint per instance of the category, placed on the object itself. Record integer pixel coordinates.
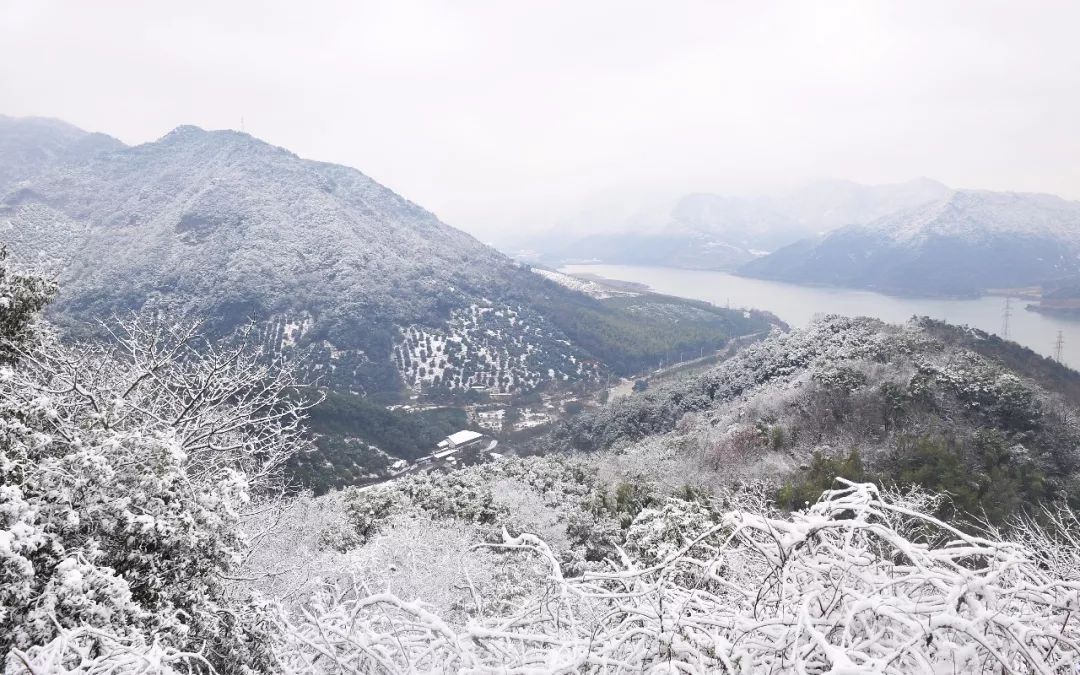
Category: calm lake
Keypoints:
(797, 305)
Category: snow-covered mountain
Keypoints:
(828, 204)
(963, 244)
(222, 225)
(31, 145)
(709, 231)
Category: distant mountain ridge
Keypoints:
(708, 231)
(222, 225)
(914, 238)
(829, 204)
(963, 244)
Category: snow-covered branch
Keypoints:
(854, 584)
(229, 405)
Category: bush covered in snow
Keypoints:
(125, 473)
(860, 582)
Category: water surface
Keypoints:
(797, 305)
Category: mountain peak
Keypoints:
(190, 134)
(233, 226)
(925, 182)
(221, 225)
(183, 131)
(981, 214)
(41, 123)
(30, 146)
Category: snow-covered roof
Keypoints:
(463, 436)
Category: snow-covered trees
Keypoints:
(865, 580)
(125, 470)
(861, 582)
(21, 298)
(893, 393)
(224, 226)
(139, 529)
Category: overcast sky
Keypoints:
(508, 116)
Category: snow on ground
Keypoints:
(497, 349)
(492, 420)
(532, 418)
(590, 288)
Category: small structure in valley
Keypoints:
(455, 442)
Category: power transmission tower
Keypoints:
(1005, 316)
(1059, 345)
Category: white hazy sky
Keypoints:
(508, 116)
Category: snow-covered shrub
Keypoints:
(860, 582)
(86, 650)
(365, 511)
(484, 495)
(660, 533)
(125, 473)
(21, 298)
(987, 389)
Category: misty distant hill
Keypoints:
(221, 225)
(962, 244)
(707, 231)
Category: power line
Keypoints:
(1006, 314)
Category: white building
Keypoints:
(456, 441)
(463, 438)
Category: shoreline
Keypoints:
(1024, 292)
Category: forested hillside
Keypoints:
(357, 439)
(384, 297)
(686, 502)
(31, 146)
(986, 421)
